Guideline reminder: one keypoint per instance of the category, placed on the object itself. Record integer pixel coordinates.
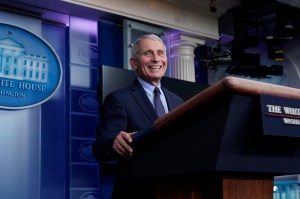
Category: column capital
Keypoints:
(185, 40)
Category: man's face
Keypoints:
(151, 63)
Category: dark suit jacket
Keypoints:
(128, 109)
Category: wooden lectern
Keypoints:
(213, 145)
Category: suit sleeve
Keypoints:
(112, 120)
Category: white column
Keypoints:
(182, 57)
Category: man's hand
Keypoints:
(122, 142)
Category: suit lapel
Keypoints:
(168, 99)
(142, 100)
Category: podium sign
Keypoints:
(280, 116)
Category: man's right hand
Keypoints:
(122, 142)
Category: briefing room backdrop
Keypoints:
(45, 150)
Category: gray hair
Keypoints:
(135, 47)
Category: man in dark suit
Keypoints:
(132, 110)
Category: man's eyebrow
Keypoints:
(148, 50)
(151, 50)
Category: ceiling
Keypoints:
(50, 8)
(68, 8)
(205, 5)
(45, 6)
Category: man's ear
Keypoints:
(132, 62)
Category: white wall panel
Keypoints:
(20, 136)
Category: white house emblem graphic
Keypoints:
(30, 71)
(16, 63)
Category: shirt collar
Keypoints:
(149, 88)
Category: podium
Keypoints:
(213, 146)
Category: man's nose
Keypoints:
(155, 58)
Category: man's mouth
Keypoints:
(155, 67)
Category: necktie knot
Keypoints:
(160, 110)
(156, 91)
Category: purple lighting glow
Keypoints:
(84, 29)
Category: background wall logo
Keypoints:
(88, 102)
(85, 151)
(89, 54)
(30, 70)
(90, 195)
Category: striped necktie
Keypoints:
(160, 110)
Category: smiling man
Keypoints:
(133, 109)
